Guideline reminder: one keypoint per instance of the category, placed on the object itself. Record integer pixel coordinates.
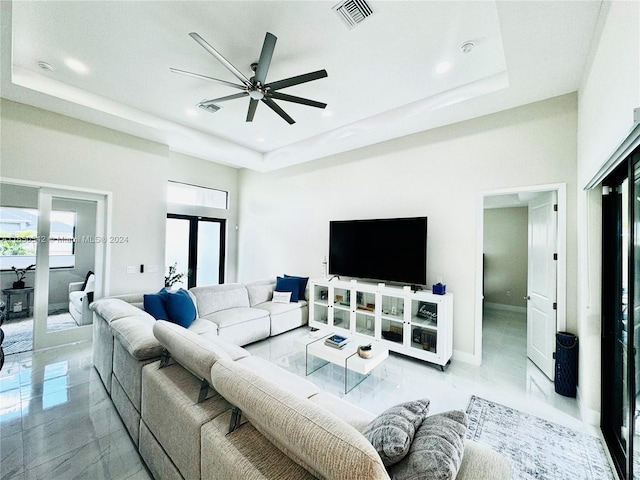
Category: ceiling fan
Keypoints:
(256, 87)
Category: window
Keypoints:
(19, 238)
(196, 246)
(185, 194)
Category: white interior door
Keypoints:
(542, 281)
(82, 247)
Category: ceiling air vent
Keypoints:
(353, 11)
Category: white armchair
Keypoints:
(80, 297)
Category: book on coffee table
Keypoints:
(336, 341)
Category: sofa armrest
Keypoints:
(135, 333)
(75, 286)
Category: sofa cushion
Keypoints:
(244, 454)
(322, 443)
(288, 285)
(276, 308)
(355, 416)
(135, 299)
(260, 291)
(171, 411)
(480, 461)
(136, 336)
(204, 327)
(302, 285)
(180, 308)
(392, 432)
(192, 351)
(234, 316)
(111, 309)
(214, 298)
(295, 384)
(437, 448)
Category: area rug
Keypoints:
(19, 334)
(536, 448)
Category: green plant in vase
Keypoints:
(21, 273)
(173, 277)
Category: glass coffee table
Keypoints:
(356, 368)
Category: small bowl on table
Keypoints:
(365, 351)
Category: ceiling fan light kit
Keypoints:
(256, 87)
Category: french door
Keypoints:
(196, 246)
(621, 315)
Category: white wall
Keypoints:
(506, 256)
(284, 215)
(44, 147)
(609, 92)
(610, 89)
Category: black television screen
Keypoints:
(392, 250)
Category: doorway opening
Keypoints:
(196, 249)
(51, 264)
(521, 299)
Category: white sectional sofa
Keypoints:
(178, 391)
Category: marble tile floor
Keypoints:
(57, 422)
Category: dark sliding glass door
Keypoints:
(621, 315)
(196, 245)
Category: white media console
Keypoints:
(418, 324)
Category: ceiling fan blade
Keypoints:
(253, 104)
(274, 106)
(265, 58)
(294, 99)
(224, 99)
(220, 58)
(288, 82)
(204, 77)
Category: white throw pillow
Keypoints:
(281, 297)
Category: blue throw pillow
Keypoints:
(302, 285)
(155, 304)
(288, 285)
(180, 308)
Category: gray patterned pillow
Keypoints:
(437, 449)
(391, 432)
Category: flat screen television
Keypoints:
(390, 249)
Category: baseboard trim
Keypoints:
(465, 357)
(501, 306)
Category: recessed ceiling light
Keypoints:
(443, 67)
(45, 66)
(76, 65)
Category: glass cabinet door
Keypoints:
(365, 312)
(423, 325)
(341, 298)
(319, 299)
(392, 318)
